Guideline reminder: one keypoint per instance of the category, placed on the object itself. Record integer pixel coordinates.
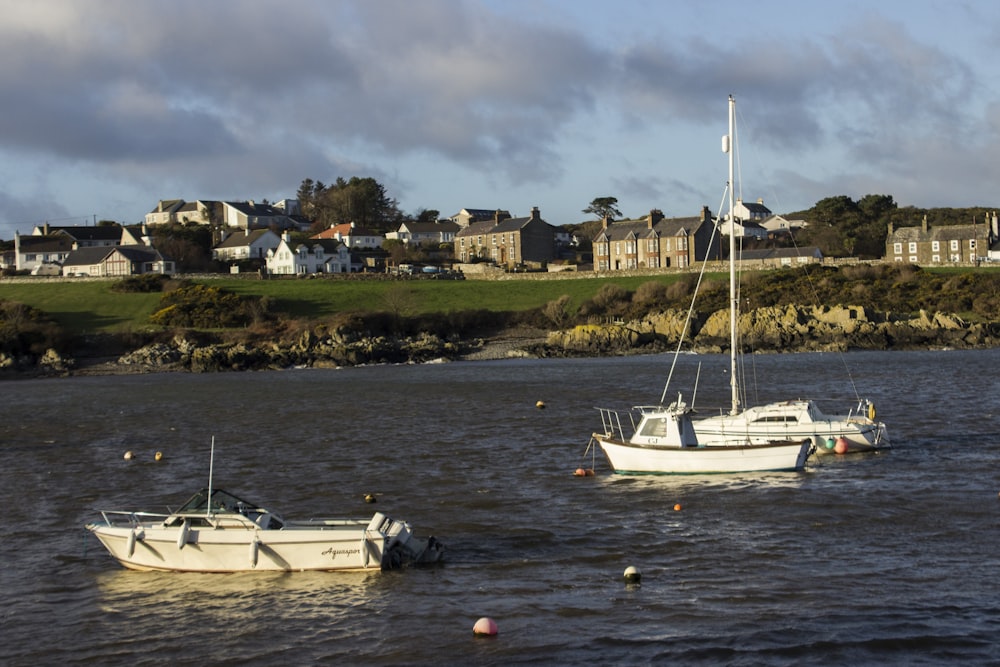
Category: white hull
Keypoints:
(629, 458)
(230, 540)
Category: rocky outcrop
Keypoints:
(775, 329)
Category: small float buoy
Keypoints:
(632, 574)
(677, 507)
(254, 551)
(485, 627)
(370, 498)
(540, 405)
(579, 472)
(128, 456)
(590, 472)
(842, 446)
(158, 456)
(830, 442)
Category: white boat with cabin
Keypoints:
(215, 531)
(662, 440)
(857, 431)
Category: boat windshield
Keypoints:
(222, 501)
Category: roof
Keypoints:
(88, 233)
(345, 229)
(51, 243)
(943, 233)
(623, 229)
(780, 253)
(240, 239)
(434, 227)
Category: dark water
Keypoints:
(880, 559)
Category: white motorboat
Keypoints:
(230, 534)
(797, 419)
(663, 441)
(832, 434)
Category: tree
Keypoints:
(360, 200)
(427, 215)
(604, 207)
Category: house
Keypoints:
(42, 255)
(507, 241)
(103, 261)
(352, 236)
(293, 258)
(239, 214)
(246, 244)
(940, 245)
(779, 257)
(85, 236)
(433, 233)
(655, 242)
(467, 216)
(776, 225)
(748, 220)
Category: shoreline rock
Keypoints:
(773, 329)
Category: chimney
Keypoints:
(655, 216)
(760, 200)
(286, 237)
(535, 215)
(923, 225)
(496, 217)
(890, 229)
(45, 229)
(605, 221)
(705, 214)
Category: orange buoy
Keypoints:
(485, 627)
(579, 472)
(677, 507)
(842, 446)
(590, 472)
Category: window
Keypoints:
(897, 248)
(935, 245)
(972, 244)
(913, 246)
(913, 259)
(936, 258)
(630, 247)
(651, 245)
(954, 244)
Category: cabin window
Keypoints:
(654, 428)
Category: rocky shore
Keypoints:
(772, 329)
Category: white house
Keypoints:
(426, 232)
(293, 258)
(246, 244)
(352, 236)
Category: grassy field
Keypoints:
(91, 306)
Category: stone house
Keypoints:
(947, 244)
(655, 242)
(507, 241)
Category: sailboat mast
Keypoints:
(733, 304)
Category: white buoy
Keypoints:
(128, 456)
(182, 537)
(157, 456)
(485, 627)
(254, 551)
(632, 574)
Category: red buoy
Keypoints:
(842, 446)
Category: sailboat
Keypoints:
(857, 431)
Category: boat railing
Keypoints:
(611, 422)
(114, 517)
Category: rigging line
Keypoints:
(809, 278)
(694, 295)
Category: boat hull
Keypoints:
(231, 544)
(639, 459)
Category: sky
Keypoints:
(110, 106)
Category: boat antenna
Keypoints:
(211, 466)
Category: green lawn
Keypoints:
(91, 306)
